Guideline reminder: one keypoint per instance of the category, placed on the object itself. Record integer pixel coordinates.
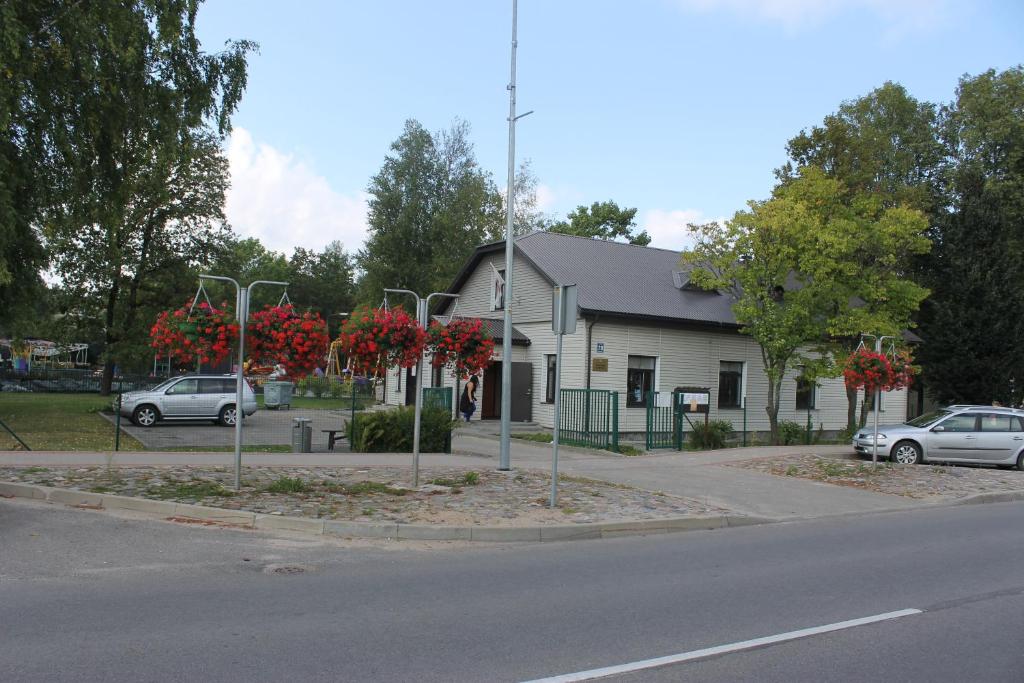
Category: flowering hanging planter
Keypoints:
(463, 345)
(374, 339)
(194, 332)
(279, 335)
(872, 370)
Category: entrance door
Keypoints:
(410, 386)
(522, 392)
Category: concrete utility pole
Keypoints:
(506, 340)
(241, 315)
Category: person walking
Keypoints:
(467, 403)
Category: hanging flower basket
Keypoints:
(872, 370)
(279, 335)
(374, 339)
(191, 333)
(463, 345)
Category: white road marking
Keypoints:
(723, 649)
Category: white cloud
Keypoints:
(667, 228)
(899, 15)
(545, 197)
(285, 203)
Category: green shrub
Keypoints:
(712, 435)
(338, 389)
(791, 432)
(391, 431)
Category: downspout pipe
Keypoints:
(590, 346)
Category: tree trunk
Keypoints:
(851, 410)
(864, 410)
(774, 397)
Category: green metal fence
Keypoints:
(440, 398)
(590, 417)
(665, 423)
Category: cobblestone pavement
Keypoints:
(923, 482)
(455, 496)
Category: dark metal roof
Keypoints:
(624, 279)
(496, 328)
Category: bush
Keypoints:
(712, 435)
(391, 431)
(791, 433)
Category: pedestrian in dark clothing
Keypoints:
(467, 403)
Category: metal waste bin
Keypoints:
(302, 435)
(277, 394)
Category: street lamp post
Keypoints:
(877, 396)
(422, 317)
(241, 315)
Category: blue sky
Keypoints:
(680, 108)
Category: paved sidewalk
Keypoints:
(687, 474)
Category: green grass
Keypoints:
(287, 485)
(325, 403)
(59, 422)
(468, 479)
(626, 449)
(189, 489)
(539, 437)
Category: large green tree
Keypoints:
(973, 325)
(602, 220)
(126, 111)
(795, 268)
(884, 149)
(430, 206)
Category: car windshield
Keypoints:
(928, 418)
(164, 384)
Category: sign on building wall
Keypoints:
(600, 347)
(600, 364)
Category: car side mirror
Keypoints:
(939, 428)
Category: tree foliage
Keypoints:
(972, 325)
(602, 220)
(123, 134)
(794, 266)
(430, 206)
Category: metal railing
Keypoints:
(590, 417)
(664, 422)
(440, 398)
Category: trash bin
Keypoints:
(277, 394)
(302, 435)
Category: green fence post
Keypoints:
(117, 422)
(615, 420)
(808, 426)
(744, 422)
(649, 441)
(353, 411)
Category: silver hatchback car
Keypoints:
(192, 397)
(984, 435)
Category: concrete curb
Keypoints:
(994, 497)
(367, 530)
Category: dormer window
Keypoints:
(497, 288)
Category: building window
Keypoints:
(730, 384)
(806, 394)
(497, 288)
(549, 391)
(639, 380)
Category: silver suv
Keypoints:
(193, 397)
(986, 435)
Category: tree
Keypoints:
(124, 136)
(884, 149)
(430, 206)
(603, 220)
(972, 325)
(322, 281)
(795, 268)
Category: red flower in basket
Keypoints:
(279, 335)
(463, 345)
(194, 332)
(374, 339)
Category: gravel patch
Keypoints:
(926, 482)
(453, 496)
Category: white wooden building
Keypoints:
(640, 326)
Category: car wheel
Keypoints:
(906, 453)
(145, 416)
(1020, 462)
(228, 415)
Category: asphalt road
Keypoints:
(88, 596)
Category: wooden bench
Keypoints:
(333, 435)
